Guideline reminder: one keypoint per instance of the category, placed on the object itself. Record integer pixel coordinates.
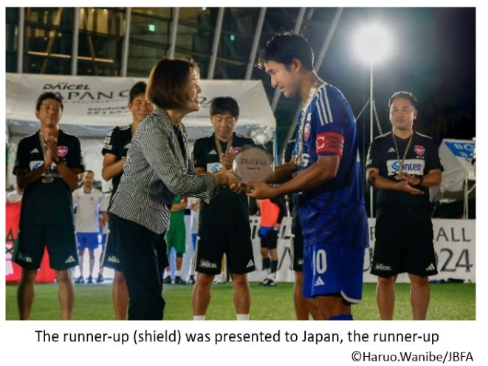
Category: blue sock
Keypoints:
(342, 317)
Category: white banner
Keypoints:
(91, 102)
(454, 243)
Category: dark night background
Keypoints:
(433, 56)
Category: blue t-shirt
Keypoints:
(334, 211)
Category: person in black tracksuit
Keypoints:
(402, 165)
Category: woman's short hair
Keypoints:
(167, 82)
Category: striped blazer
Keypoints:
(154, 172)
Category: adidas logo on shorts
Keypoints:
(250, 264)
(213, 152)
(70, 259)
(382, 267)
(319, 282)
(34, 151)
(431, 267)
(113, 259)
(207, 264)
(391, 150)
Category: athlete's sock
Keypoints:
(274, 266)
(199, 317)
(92, 265)
(242, 316)
(80, 264)
(178, 273)
(342, 317)
(266, 264)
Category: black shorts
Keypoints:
(233, 240)
(404, 246)
(269, 238)
(110, 258)
(297, 255)
(59, 240)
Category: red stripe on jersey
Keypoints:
(329, 142)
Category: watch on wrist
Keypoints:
(59, 161)
(421, 179)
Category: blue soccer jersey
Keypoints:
(333, 211)
(333, 218)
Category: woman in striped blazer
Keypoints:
(158, 167)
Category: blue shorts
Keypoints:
(87, 240)
(104, 239)
(333, 269)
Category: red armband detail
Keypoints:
(329, 142)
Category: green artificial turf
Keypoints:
(93, 302)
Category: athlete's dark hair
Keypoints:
(286, 46)
(49, 95)
(138, 88)
(221, 105)
(403, 94)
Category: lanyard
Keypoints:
(311, 95)
(219, 146)
(400, 162)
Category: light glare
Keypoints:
(372, 43)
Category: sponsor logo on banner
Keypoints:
(214, 167)
(62, 151)
(306, 132)
(410, 166)
(419, 150)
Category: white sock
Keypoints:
(92, 265)
(178, 272)
(199, 317)
(80, 264)
(242, 316)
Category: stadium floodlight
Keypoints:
(372, 44)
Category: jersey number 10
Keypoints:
(320, 261)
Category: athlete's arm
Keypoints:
(317, 174)
(283, 173)
(25, 178)
(111, 166)
(433, 178)
(69, 175)
(374, 179)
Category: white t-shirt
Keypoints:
(87, 210)
(104, 208)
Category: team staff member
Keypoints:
(114, 153)
(47, 167)
(330, 203)
(87, 200)
(272, 213)
(224, 222)
(176, 238)
(158, 167)
(402, 165)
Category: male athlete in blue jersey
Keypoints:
(327, 173)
